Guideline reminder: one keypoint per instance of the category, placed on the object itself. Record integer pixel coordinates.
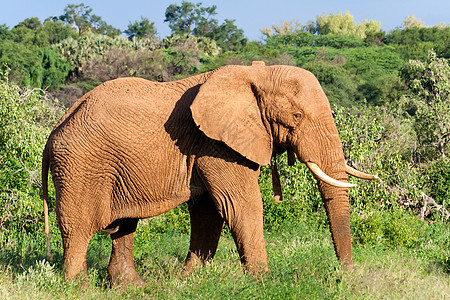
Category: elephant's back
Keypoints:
(119, 132)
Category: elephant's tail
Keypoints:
(45, 167)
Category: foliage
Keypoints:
(286, 27)
(87, 47)
(32, 66)
(437, 179)
(190, 18)
(228, 36)
(325, 24)
(141, 29)
(428, 102)
(25, 120)
(412, 22)
(80, 16)
(415, 42)
(336, 81)
(344, 24)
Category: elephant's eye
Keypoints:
(298, 115)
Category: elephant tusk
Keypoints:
(359, 174)
(327, 179)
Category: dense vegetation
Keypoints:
(390, 97)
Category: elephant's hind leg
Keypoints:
(206, 226)
(121, 267)
(75, 248)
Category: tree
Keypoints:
(428, 101)
(57, 30)
(411, 22)
(30, 23)
(197, 20)
(190, 18)
(368, 28)
(336, 24)
(228, 36)
(80, 17)
(141, 29)
(286, 27)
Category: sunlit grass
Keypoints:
(301, 260)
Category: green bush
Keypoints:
(390, 228)
(437, 179)
(26, 117)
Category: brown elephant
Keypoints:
(133, 149)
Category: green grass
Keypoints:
(301, 260)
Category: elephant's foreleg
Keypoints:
(121, 267)
(247, 229)
(206, 226)
(235, 191)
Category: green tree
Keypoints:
(141, 29)
(336, 24)
(57, 30)
(198, 20)
(81, 17)
(190, 18)
(338, 83)
(228, 36)
(30, 23)
(428, 101)
(415, 42)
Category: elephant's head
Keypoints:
(261, 110)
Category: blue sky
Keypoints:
(250, 15)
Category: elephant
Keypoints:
(132, 149)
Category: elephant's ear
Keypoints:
(226, 110)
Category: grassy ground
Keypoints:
(301, 260)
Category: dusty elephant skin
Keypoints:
(133, 149)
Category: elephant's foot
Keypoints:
(75, 267)
(192, 260)
(122, 274)
(121, 268)
(256, 269)
(74, 264)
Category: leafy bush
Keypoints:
(437, 179)
(26, 117)
(391, 228)
(427, 102)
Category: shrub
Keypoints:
(26, 117)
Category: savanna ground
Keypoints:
(302, 264)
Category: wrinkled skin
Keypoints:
(133, 149)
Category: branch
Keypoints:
(428, 201)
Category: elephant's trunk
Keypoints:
(336, 202)
(337, 208)
(328, 166)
